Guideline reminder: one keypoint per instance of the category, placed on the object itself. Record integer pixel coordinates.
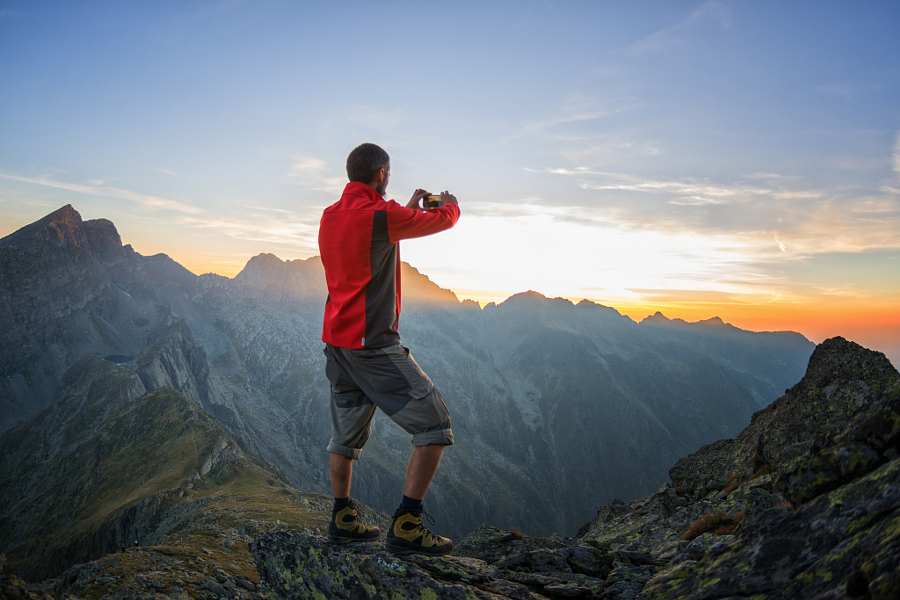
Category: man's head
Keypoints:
(371, 165)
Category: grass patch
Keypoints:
(764, 470)
(716, 523)
(733, 483)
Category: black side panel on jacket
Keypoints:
(381, 293)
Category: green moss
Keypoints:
(859, 524)
(427, 594)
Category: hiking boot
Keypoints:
(345, 526)
(407, 535)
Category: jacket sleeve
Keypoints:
(405, 223)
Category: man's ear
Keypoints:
(379, 178)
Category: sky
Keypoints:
(738, 159)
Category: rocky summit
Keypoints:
(811, 510)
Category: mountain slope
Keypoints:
(76, 474)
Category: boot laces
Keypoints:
(427, 532)
(357, 509)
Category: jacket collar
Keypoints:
(362, 189)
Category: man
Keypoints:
(365, 363)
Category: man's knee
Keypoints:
(438, 437)
(351, 453)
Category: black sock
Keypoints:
(340, 503)
(410, 504)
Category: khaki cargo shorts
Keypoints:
(387, 378)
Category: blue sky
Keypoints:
(739, 159)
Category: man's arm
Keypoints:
(412, 221)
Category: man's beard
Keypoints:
(381, 188)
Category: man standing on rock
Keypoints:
(366, 365)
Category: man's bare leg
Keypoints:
(345, 526)
(423, 464)
(407, 534)
(341, 475)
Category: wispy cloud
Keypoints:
(685, 296)
(577, 117)
(315, 174)
(173, 173)
(574, 109)
(270, 226)
(769, 176)
(684, 192)
(679, 34)
(807, 220)
(96, 188)
(612, 150)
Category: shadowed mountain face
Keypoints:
(551, 402)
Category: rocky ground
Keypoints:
(205, 557)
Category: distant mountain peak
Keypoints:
(657, 316)
(661, 319)
(713, 321)
(526, 297)
(66, 213)
(64, 227)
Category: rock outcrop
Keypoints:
(819, 518)
(490, 563)
(840, 379)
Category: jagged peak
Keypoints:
(661, 319)
(265, 258)
(65, 213)
(840, 359)
(523, 297)
(656, 317)
(62, 224)
(268, 270)
(418, 286)
(820, 403)
(65, 227)
(715, 321)
(266, 262)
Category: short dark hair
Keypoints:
(365, 161)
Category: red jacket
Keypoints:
(358, 241)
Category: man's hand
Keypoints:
(414, 201)
(448, 198)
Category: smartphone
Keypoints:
(432, 202)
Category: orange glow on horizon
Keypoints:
(874, 324)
